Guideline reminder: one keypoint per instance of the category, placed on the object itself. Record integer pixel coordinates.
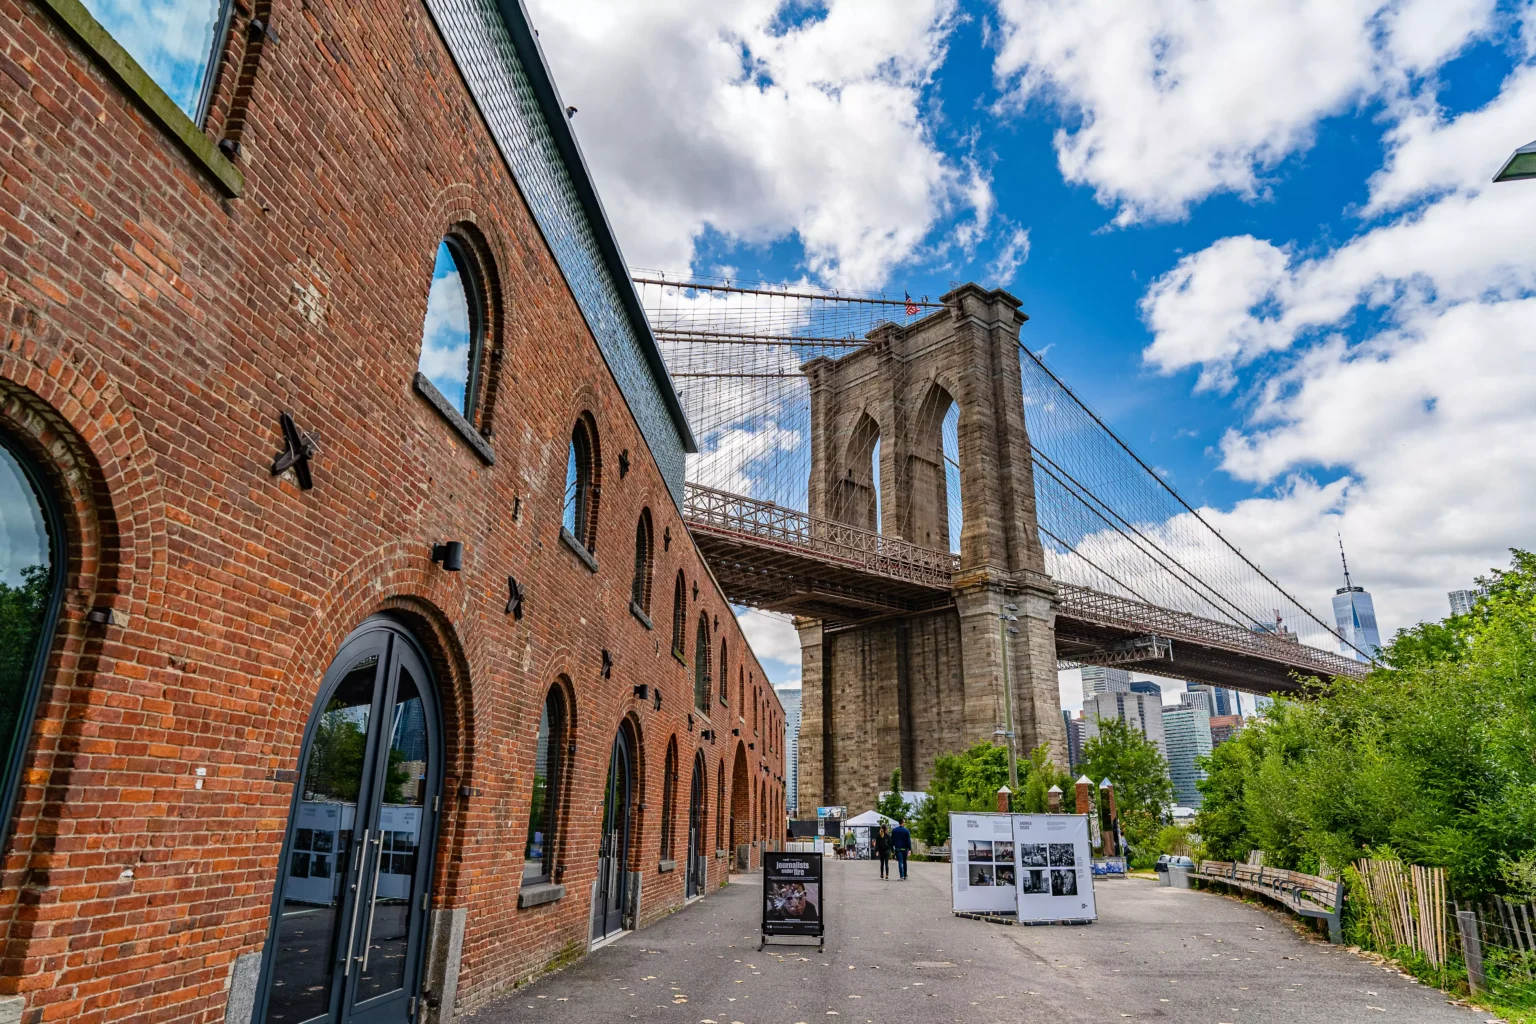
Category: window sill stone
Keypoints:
(639, 613)
(679, 656)
(587, 558)
(128, 73)
(461, 426)
(539, 894)
(666, 866)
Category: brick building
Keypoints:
(355, 662)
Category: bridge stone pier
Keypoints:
(897, 689)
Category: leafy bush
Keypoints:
(1432, 755)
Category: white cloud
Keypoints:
(1009, 259)
(699, 115)
(1175, 100)
(770, 635)
(1401, 364)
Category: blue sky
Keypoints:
(1258, 238)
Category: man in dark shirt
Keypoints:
(901, 845)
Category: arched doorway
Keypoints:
(698, 827)
(349, 922)
(613, 850)
(32, 559)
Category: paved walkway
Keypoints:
(896, 954)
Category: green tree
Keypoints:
(892, 805)
(1043, 774)
(1431, 755)
(1143, 790)
(964, 781)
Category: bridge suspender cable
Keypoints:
(1178, 498)
(1167, 562)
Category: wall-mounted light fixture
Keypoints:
(514, 598)
(607, 664)
(449, 555)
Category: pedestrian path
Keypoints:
(896, 954)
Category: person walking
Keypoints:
(901, 844)
(882, 844)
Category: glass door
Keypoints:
(350, 915)
(613, 854)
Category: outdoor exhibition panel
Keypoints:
(1054, 867)
(983, 862)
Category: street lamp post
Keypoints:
(1003, 629)
(1521, 164)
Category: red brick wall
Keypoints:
(152, 332)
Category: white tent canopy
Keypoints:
(869, 819)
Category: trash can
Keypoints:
(1179, 870)
(1161, 867)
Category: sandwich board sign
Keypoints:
(794, 894)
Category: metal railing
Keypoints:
(849, 546)
(1087, 604)
(773, 525)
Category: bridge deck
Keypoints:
(769, 556)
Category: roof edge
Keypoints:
(525, 41)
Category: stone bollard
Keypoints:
(1084, 803)
(1108, 818)
(1004, 797)
(1053, 800)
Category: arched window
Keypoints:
(701, 665)
(757, 703)
(579, 515)
(722, 671)
(640, 589)
(721, 841)
(679, 614)
(32, 562)
(544, 800)
(454, 331)
(668, 800)
(741, 694)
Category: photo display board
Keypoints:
(1054, 867)
(984, 862)
(792, 894)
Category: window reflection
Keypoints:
(26, 588)
(174, 41)
(538, 850)
(449, 335)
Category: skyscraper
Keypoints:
(789, 696)
(1148, 687)
(1187, 732)
(1223, 728)
(1074, 739)
(1097, 679)
(1463, 600)
(1140, 711)
(1220, 701)
(1355, 616)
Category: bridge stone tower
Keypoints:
(898, 690)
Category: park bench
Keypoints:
(1307, 895)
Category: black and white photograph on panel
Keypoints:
(1063, 882)
(1032, 882)
(1032, 855)
(1063, 855)
(979, 850)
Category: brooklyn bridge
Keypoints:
(949, 524)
